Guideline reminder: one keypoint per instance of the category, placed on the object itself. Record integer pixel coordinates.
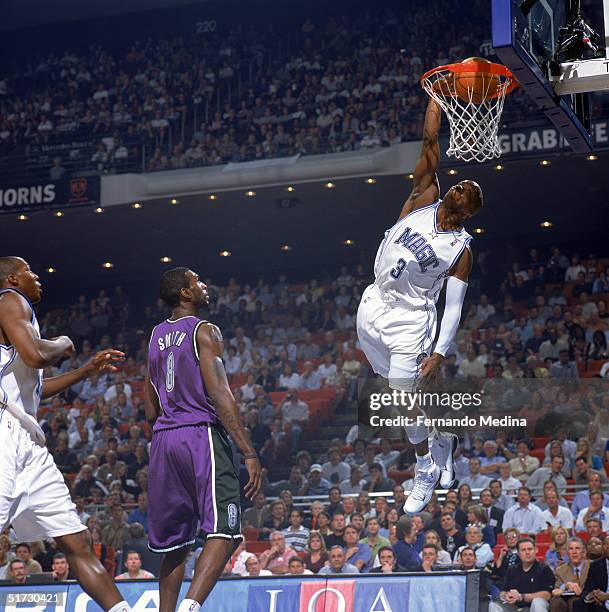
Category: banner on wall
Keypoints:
(49, 194)
(367, 593)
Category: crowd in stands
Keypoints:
(293, 361)
(345, 83)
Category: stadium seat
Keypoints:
(539, 453)
(257, 547)
(250, 534)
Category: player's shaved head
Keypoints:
(9, 265)
(172, 282)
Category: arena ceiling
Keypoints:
(30, 13)
(571, 193)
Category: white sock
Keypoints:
(121, 606)
(424, 462)
(189, 605)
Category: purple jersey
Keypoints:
(173, 365)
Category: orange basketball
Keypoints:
(476, 86)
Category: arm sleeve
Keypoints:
(455, 295)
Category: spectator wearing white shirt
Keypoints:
(289, 380)
(335, 470)
(296, 413)
(523, 465)
(327, 369)
(490, 462)
(484, 310)
(509, 484)
(574, 270)
(595, 510)
(248, 389)
(556, 514)
(119, 386)
(355, 483)
(310, 378)
(475, 480)
(473, 539)
(232, 361)
(524, 516)
(388, 457)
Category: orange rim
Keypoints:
(482, 68)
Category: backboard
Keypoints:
(527, 36)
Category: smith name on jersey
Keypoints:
(416, 256)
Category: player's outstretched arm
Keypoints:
(426, 188)
(456, 287)
(16, 324)
(211, 349)
(101, 362)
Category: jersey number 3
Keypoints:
(397, 271)
(170, 376)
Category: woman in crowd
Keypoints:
(556, 450)
(583, 449)
(323, 524)
(5, 555)
(464, 497)
(597, 349)
(557, 553)
(363, 504)
(99, 548)
(432, 537)
(317, 555)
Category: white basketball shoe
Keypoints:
(442, 447)
(425, 481)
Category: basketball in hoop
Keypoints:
(472, 94)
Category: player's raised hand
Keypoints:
(254, 484)
(104, 361)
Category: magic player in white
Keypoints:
(34, 498)
(396, 320)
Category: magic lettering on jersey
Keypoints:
(419, 247)
(174, 338)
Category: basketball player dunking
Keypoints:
(396, 320)
(191, 478)
(34, 498)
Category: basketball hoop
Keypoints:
(472, 94)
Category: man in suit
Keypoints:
(494, 514)
(594, 597)
(570, 577)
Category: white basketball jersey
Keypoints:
(416, 256)
(20, 385)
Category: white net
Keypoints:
(473, 113)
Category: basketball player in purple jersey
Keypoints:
(191, 478)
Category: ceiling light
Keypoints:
(329, 185)
(174, 201)
(370, 181)
(452, 172)
(166, 259)
(51, 270)
(107, 265)
(545, 162)
(212, 196)
(290, 189)
(546, 224)
(499, 167)
(349, 242)
(286, 247)
(22, 217)
(99, 210)
(136, 205)
(225, 253)
(58, 213)
(250, 194)
(592, 157)
(479, 230)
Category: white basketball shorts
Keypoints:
(395, 336)
(34, 498)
